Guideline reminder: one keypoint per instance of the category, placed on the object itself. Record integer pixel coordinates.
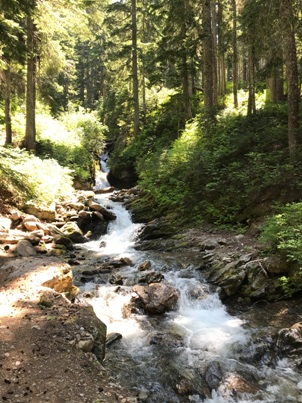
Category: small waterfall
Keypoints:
(159, 353)
(101, 181)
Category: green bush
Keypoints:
(28, 178)
(75, 141)
(223, 171)
(283, 232)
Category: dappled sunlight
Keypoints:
(24, 283)
(242, 103)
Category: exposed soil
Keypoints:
(39, 361)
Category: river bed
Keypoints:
(196, 353)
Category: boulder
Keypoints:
(289, 340)
(25, 248)
(213, 375)
(97, 207)
(144, 266)
(15, 215)
(61, 281)
(229, 278)
(73, 232)
(157, 298)
(277, 264)
(43, 213)
(152, 277)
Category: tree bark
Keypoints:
(214, 42)
(293, 92)
(30, 134)
(208, 75)
(135, 70)
(7, 101)
(251, 109)
(235, 54)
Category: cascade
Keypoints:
(191, 354)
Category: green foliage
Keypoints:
(283, 232)
(27, 177)
(160, 132)
(224, 172)
(291, 285)
(74, 141)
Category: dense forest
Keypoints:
(198, 103)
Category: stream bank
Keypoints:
(27, 314)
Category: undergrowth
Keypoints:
(29, 178)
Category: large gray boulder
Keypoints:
(157, 298)
(25, 248)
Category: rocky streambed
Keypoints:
(153, 353)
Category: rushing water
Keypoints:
(167, 357)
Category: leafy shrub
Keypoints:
(27, 177)
(221, 170)
(283, 232)
(75, 141)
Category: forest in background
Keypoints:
(199, 102)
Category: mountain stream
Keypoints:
(197, 353)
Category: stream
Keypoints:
(196, 353)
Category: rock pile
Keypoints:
(54, 230)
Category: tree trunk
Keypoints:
(275, 86)
(144, 93)
(187, 90)
(214, 41)
(293, 92)
(7, 100)
(30, 134)
(208, 61)
(251, 83)
(235, 54)
(135, 70)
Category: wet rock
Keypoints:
(105, 212)
(126, 261)
(157, 298)
(144, 266)
(152, 277)
(168, 340)
(258, 282)
(116, 279)
(199, 292)
(229, 278)
(112, 338)
(189, 383)
(234, 385)
(213, 375)
(290, 340)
